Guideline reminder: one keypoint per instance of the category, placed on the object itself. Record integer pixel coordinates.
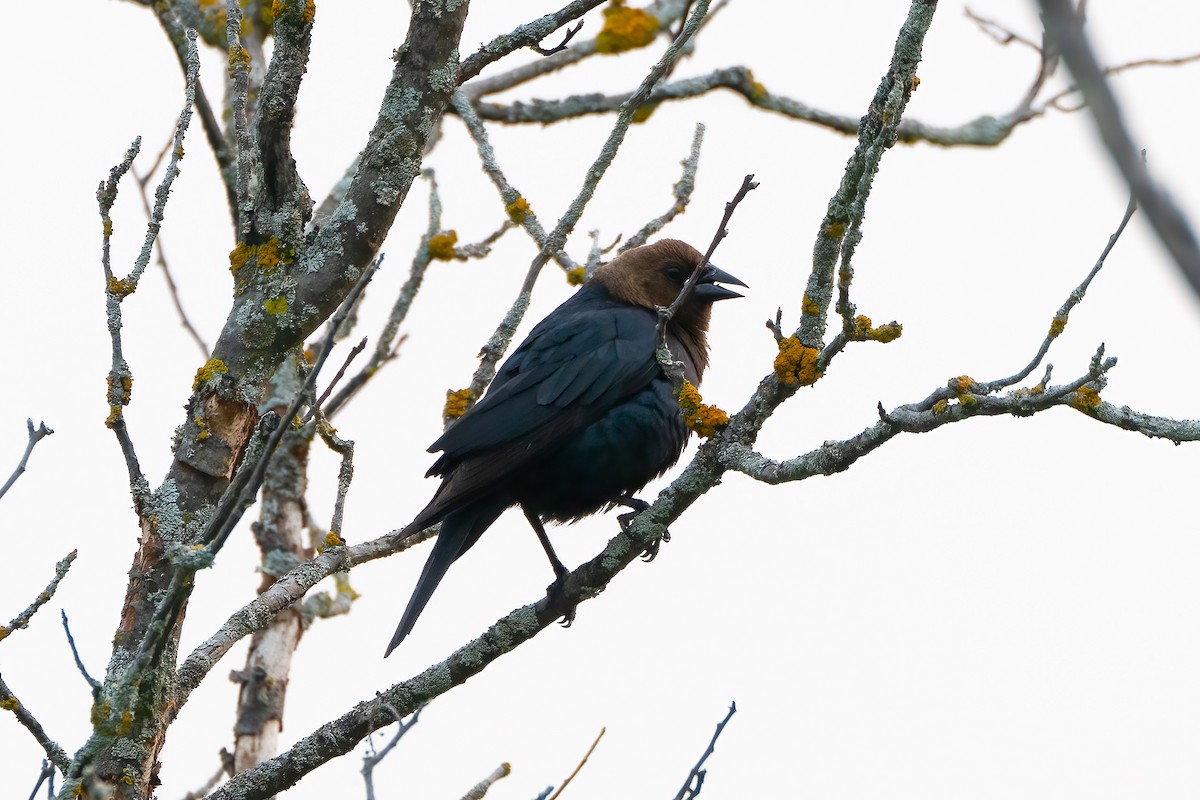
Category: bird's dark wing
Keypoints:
(576, 365)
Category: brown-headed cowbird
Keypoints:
(579, 417)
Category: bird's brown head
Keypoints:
(652, 275)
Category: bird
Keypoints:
(580, 416)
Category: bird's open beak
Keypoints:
(708, 289)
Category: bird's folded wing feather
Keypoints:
(572, 369)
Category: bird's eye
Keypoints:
(675, 274)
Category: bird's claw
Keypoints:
(557, 592)
(651, 551)
(626, 519)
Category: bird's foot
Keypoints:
(557, 592)
(651, 551)
(638, 506)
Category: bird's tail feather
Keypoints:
(461, 528)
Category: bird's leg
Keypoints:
(560, 571)
(638, 506)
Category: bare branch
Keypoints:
(558, 48)
(672, 368)
(579, 766)
(515, 204)
(91, 682)
(35, 436)
(47, 774)
(498, 344)
(1065, 26)
(372, 759)
(681, 190)
(226, 768)
(22, 620)
(480, 789)
(226, 157)
(696, 776)
(9, 702)
(239, 68)
(386, 342)
(527, 35)
(161, 259)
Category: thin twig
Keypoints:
(120, 377)
(9, 702)
(1057, 325)
(161, 255)
(697, 774)
(358, 348)
(682, 192)
(35, 436)
(226, 768)
(578, 767)
(240, 72)
(498, 343)
(561, 45)
(47, 773)
(92, 682)
(22, 620)
(344, 448)
(480, 789)
(372, 759)
(674, 369)
(1065, 25)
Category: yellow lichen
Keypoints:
(211, 369)
(576, 276)
(940, 407)
(3, 633)
(108, 228)
(757, 90)
(517, 210)
(796, 365)
(862, 327)
(1057, 326)
(625, 29)
(834, 230)
(889, 332)
(441, 246)
(809, 306)
(456, 403)
(121, 287)
(333, 540)
(342, 582)
(239, 58)
(114, 416)
(644, 111)
(204, 433)
(963, 383)
(1086, 398)
(915, 83)
(276, 306)
(968, 400)
(10, 704)
(704, 419)
(239, 255)
(269, 255)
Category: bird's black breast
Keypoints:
(635, 441)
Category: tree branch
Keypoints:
(1065, 26)
(35, 436)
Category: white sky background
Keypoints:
(1002, 608)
